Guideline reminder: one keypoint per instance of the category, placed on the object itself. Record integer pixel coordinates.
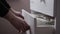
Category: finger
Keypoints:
(21, 16)
(26, 26)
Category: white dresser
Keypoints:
(35, 24)
(43, 6)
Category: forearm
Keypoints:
(12, 17)
(18, 22)
(14, 11)
(17, 13)
(14, 20)
(9, 16)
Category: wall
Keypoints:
(19, 4)
(58, 17)
(26, 5)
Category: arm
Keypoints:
(17, 22)
(17, 13)
(6, 12)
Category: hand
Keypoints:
(25, 26)
(17, 13)
(22, 24)
(18, 22)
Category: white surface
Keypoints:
(24, 11)
(46, 8)
(37, 21)
(31, 20)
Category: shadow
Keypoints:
(43, 1)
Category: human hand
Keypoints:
(17, 13)
(18, 22)
(22, 25)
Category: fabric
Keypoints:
(4, 8)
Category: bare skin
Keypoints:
(17, 20)
(17, 13)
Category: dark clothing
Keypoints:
(4, 8)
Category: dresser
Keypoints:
(37, 25)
